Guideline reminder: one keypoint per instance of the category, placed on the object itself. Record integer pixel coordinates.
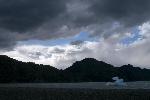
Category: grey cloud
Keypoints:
(20, 18)
(100, 16)
(78, 42)
(34, 55)
(23, 15)
(127, 12)
(7, 40)
(51, 19)
(57, 50)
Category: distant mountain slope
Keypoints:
(16, 71)
(86, 70)
(90, 69)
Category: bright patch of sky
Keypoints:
(83, 36)
(132, 37)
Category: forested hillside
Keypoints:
(86, 70)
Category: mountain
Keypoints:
(86, 70)
(16, 71)
(90, 69)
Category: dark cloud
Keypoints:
(49, 19)
(107, 17)
(127, 12)
(78, 42)
(24, 15)
(7, 40)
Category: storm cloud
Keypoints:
(23, 15)
(18, 17)
(127, 12)
(51, 19)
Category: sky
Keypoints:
(61, 32)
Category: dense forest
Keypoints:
(86, 70)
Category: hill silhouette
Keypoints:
(86, 70)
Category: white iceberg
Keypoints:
(117, 82)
